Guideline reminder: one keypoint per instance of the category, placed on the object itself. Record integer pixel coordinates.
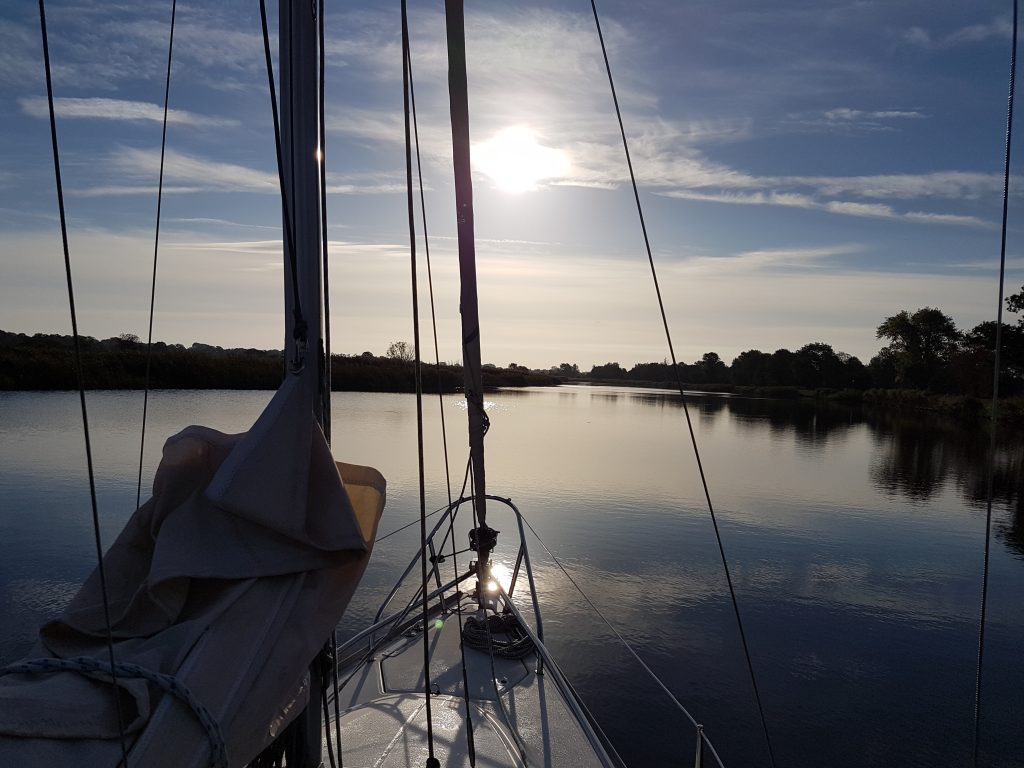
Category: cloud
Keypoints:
(116, 109)
(846, 208)
(845, 114)
(767, 259)
(949, 185)
(194, 171)
(572, 113)
(1000, 28)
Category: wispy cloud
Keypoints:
(572, 113)
(117, 109)
(768, 259)
(845, 114)
(193, 170)
(850, 120)
(1000, 28)
(846, 208)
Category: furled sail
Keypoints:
(228, 579)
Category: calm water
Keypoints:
(855, 543)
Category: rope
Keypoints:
(470, 742)
(990, 482)
(299, 329)
(79, 375)
(432, 761)
(682, 394)
(337, 692)
(156, 250)
(430, 282)
(86, 665)
(519, 645)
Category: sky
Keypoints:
(806, 168)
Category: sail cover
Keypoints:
(229, 579)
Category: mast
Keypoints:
(298, 41)
(482, 538)
(300, 166)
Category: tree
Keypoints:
(780, 368)
(401, 350)
(921, 345)
(1015, 303)
(750, 368)
(608, 371)
(569, 371)
(817, 365)
(972, 365)
(712, 369)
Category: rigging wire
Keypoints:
(299, 328)
(156, 251)
(682, 394)
(326, 396)
(81, 385)
(990, 480)
(470, 743)
(430, 282)
(432, 761)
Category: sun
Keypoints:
(516, 162)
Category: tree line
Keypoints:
(925, 351)
(46, 362)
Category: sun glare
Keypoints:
(516, 162)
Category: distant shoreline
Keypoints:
(46, 363)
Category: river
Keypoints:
(855, 543)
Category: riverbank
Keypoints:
(43, 363)
(1010, 410)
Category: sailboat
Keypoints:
(200, 637)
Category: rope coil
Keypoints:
(517, 646)
(86, 665)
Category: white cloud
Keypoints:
(846, 208)
(1000, 28)
(950, 185)
(192, 170)
(116, 109)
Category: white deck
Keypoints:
(384, 722)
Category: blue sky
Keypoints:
(807, 168)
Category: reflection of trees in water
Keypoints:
(812, 423)
(915, 453)
(918, 453)
(1007, 487)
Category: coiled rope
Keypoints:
(86, 665)
(518, 645)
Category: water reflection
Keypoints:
(918, 457)
(853, 538)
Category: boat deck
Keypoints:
(384, 720)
